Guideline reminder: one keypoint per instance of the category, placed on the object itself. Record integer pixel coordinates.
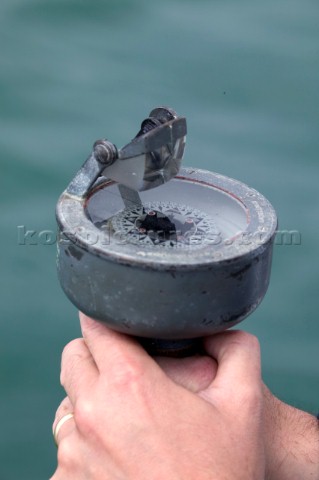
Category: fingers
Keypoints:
(78, 369)
(194, 373)
(63, 423)
(111, 349)
(238, 356)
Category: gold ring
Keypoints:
(62, 420)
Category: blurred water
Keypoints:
(245, 74)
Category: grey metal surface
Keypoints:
(168, 304)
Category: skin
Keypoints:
(292, 441)
(136, 417)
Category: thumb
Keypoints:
(195, 373)
(239, 371)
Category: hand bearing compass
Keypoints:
(164, 253)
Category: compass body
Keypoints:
(184, 260)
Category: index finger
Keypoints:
(78, 369)
(111, 349)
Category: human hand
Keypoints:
(132, 421)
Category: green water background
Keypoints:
(246, 76)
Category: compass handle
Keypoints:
(172, 348)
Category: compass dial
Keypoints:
(165, 224)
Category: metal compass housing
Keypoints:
(157, 251)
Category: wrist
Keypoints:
(292, 442)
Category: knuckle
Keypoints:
(65, 454)
(85, 415)
(252, 341)
(129, 373)
(72, 347)
(72, 353)
(129, 382)
(244, 338)
(127, 377)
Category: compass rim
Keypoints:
(74, 222)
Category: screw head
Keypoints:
(105, 152)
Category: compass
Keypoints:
(164, 253)
(165, 225)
